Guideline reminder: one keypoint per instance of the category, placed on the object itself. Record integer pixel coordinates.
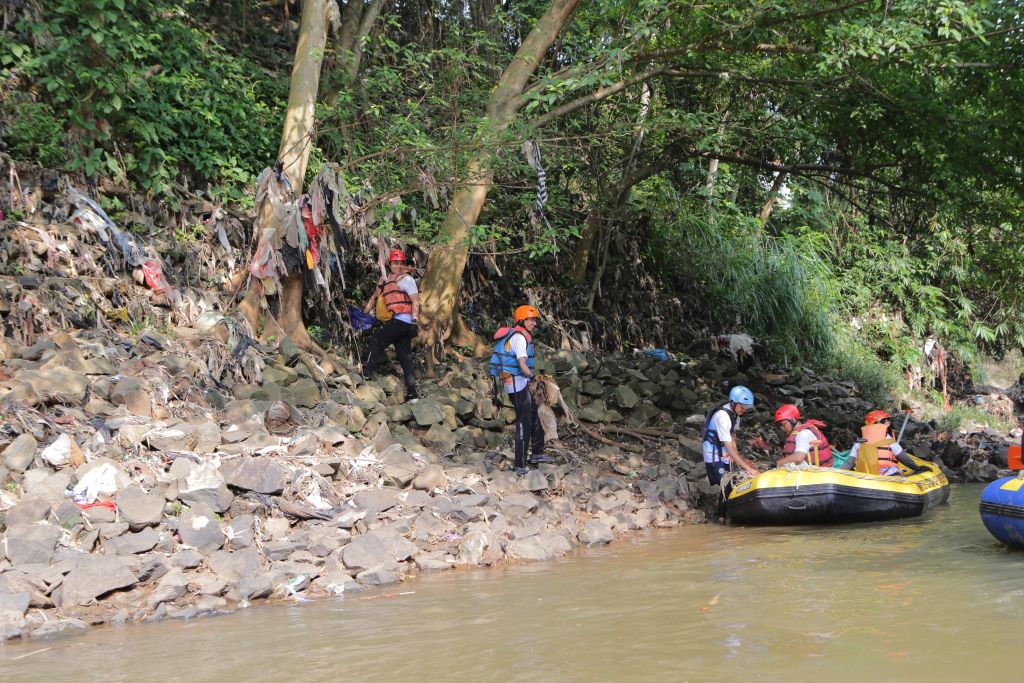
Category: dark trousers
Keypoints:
(528, 430)
(716, 470)
(398, 333)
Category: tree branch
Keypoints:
(595, 96)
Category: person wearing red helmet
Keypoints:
(402, 302)
(801, 438)
(512, 364)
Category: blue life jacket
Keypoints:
(709, 434)
(503, 363)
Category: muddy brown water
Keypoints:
(933, 599)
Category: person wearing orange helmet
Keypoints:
(801, 438)
(512, 363)
(401, 305)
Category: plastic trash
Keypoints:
(98, 481)
(659, 354)
(358, 319)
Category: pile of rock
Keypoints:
(145, 477)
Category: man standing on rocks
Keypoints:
(399, 313)
(513, 362)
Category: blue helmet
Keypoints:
(741, 395)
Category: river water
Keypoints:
(933, 599)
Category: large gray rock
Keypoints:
(31, 543)
(367, 551)
(556, 544)
(376, 500)
(401, 548)
(399, 466)
(173, 585)
(138, 508)
(94, 576)
(626, 397)
(596, 532)
(61, 628)
(527, 549)
(261, 474)
(56, 384)
(199, 528)
(130, 544)
(429, 478)
(20, 453)
(28, 511)
(378, 576)
(254, 588)
(12, 614)
(442, 436)
(236, 566)
(427, 411)
(303, 393)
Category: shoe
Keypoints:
(521, 471)
(411, 394)
(540, 459)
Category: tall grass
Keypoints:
(780, 288)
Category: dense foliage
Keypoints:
(842, 178)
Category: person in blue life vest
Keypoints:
(512, 364)
(399, 312)
(719, 435)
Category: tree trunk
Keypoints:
(447, 262)
(766, 210)
(294, 155)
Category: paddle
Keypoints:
(905, 421)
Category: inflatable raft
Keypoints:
(1002, 510)
(810, 495)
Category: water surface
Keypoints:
(934, 598)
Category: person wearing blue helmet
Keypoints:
(718, 435)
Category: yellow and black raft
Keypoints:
(805, 494)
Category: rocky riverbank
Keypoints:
(176, 467)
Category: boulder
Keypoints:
(303, 393)
(378, 576)
(173, 585)
(254, 588)
(427, 412)
(374, 501)
(19, 453)
(626, 397)
(527, 549)
(441, 435)
(236, 566)
(94, 576)
(596, 532)
(138, 508)
(399, 466)
(57, 384)
(28, 511)
(199, 528)
(31, 543)
(130, 544)
(367, 551)
(262, 474)
(60, 628)
(430, 477)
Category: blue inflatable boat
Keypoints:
(1002, 510)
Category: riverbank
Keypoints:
(157, 461)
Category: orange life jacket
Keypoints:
(874, 434)
(824, 449)
(396, 299)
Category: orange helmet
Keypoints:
(524, 312)
(876, 416)
(787, 412)
(396, 255)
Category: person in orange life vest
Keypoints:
(889, 456)
(403, 299)
(801, 437)
(512, 363)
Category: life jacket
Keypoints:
(709, 434)
(878, 436)
(395, 298)
(503, 362)
(824, 449)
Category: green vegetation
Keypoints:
(844, 180)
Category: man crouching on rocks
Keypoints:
(512, 362)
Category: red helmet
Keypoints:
(396, 255)
(876, 416)
(787, 412)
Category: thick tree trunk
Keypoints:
(294, 155)
(444, 270)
